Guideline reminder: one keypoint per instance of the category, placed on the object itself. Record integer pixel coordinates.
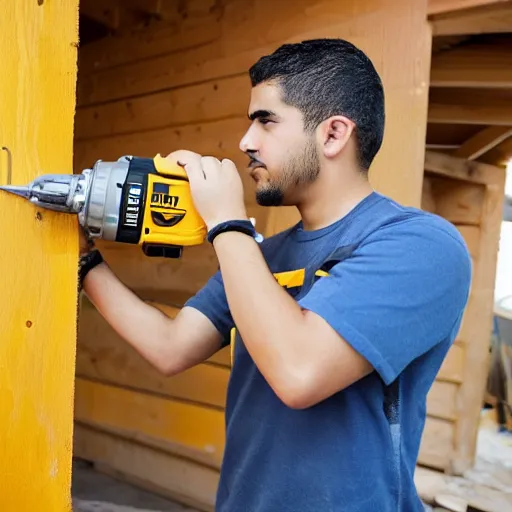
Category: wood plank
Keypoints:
(500, 155)
(478, 318)
(444, 6)
(471, 235)
(185, 25)
(487, 19)
(483, 141)
(452, 369)
(432, 484)
(473, 65)
(209, 101)
(39, 258)
(188, 430)
(177, 478)
(436, 448)
(102, 355)
(442, 400)
(458, 201)
(461, 169)
(458, 105)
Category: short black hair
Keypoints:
(327, 77)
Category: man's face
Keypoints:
(282, 156)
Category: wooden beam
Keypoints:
(38, 270)
(445, 6)
(483, 141)
(461, 169)
(486, 19)
(470, 114)
(477, 65)
(442, 147)
(499, 155)
(470, 106)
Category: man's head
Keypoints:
(313, 102)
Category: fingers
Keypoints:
(183, 156)
(229, 165)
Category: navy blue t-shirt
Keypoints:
(393, 281)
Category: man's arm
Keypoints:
(170, 345)
(301, 356)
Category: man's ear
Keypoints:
(333, 135)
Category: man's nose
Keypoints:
(247, 142)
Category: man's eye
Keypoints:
(264, 121)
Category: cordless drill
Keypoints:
(132, 200)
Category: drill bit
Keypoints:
(19, 191)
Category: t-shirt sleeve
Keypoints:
(401, 291)
(212, 302)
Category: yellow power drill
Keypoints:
(145, 201)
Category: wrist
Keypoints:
(87, 263)
(220, 220)
(244, 226)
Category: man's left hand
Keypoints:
(216, 187)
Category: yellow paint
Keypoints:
(38, 260)
(180, 426)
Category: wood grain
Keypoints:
(157, 470)
(177, 427)
(38, 282)
(437, 443)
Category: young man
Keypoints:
(342, 321)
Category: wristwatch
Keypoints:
(86, 263)
(241, 226)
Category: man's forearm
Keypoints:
(143, 326)
(270, 322)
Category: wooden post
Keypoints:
(38, 260)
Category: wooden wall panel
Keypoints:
(149, 467)
(182, 428)
(38, 260)
(470, 195)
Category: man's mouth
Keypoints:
(254, 164)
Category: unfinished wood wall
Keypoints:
(184, 84)
(470, 195)
(38, 260)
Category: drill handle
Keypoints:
(166, 167)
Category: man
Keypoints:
(342, 321)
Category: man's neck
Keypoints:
(330, 198)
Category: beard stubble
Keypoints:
(299, 170)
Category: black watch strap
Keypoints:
(242, 226)
(87, 263)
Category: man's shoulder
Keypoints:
(409, 221)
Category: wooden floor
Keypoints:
(487, 487)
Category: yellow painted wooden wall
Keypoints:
(38, 260)
(184, 84)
